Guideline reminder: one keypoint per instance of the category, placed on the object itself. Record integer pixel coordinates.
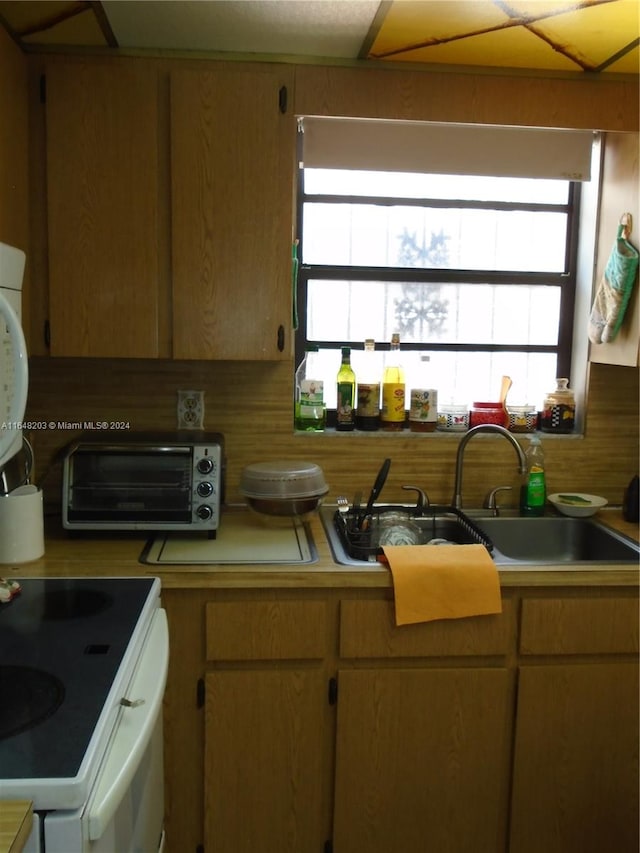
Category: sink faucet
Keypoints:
(493, 428)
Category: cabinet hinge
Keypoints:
(47, 334)
(43, 88)
(200, 693)
(332, 693)
(282, 99)
(328, 847)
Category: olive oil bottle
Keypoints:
(392, 417)
(346, 387)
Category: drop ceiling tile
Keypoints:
(595, 33)
(545, 8)
(314, 27)
(628, 64)
(411, 23)
(24, 16)
(81, 29)
(510, 48)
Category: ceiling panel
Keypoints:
(596, 33)
(546, 35)
(82, 29)
(427, 22)
(489, 49)
(333, 28)
(592, 35)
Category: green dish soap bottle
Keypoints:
(533, 492)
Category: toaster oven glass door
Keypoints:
(131, 486)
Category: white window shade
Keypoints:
(447, 149)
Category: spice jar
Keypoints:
(487, 413)
(453, 417)
(559, 409)
(423, 412)
(522, 418)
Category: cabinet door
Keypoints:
(102, 183)
(422, 761)
(264, 741)
(232, 161)
(575, 781)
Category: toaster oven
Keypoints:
(144, 481)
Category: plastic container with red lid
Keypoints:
(488, 413)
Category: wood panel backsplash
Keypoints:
(251, 404)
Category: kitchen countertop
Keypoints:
(118, 555)
(15, 825)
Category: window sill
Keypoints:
(436, 434)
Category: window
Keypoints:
(477, 271)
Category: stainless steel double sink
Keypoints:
(513, 541)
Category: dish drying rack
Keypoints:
(356, 529)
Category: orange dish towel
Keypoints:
(442, 582)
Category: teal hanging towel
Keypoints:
(614, 290)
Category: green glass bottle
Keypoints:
(346, 382)
(310, 411)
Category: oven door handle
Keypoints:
(136, 723)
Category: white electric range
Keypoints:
(83, 666)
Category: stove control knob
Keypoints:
(204, 512)
(204, 489)
(205, 465)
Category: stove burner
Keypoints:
(74, 603)
(29, 696)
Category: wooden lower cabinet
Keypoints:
(264, 760)
(420, 761)
(514, 733)
(267, 739)
(575, 777)
(575, 783)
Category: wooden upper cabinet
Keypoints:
(102, 185)
(232, 172)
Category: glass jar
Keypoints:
(395, 529)
(559, 409)
(522, 418)
(453, 417)
(488, 413)
(423, 411)
(423, 414)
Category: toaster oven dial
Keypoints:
(204, 489)
(204, 512)
(205, 465)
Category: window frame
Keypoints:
(566, 280)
